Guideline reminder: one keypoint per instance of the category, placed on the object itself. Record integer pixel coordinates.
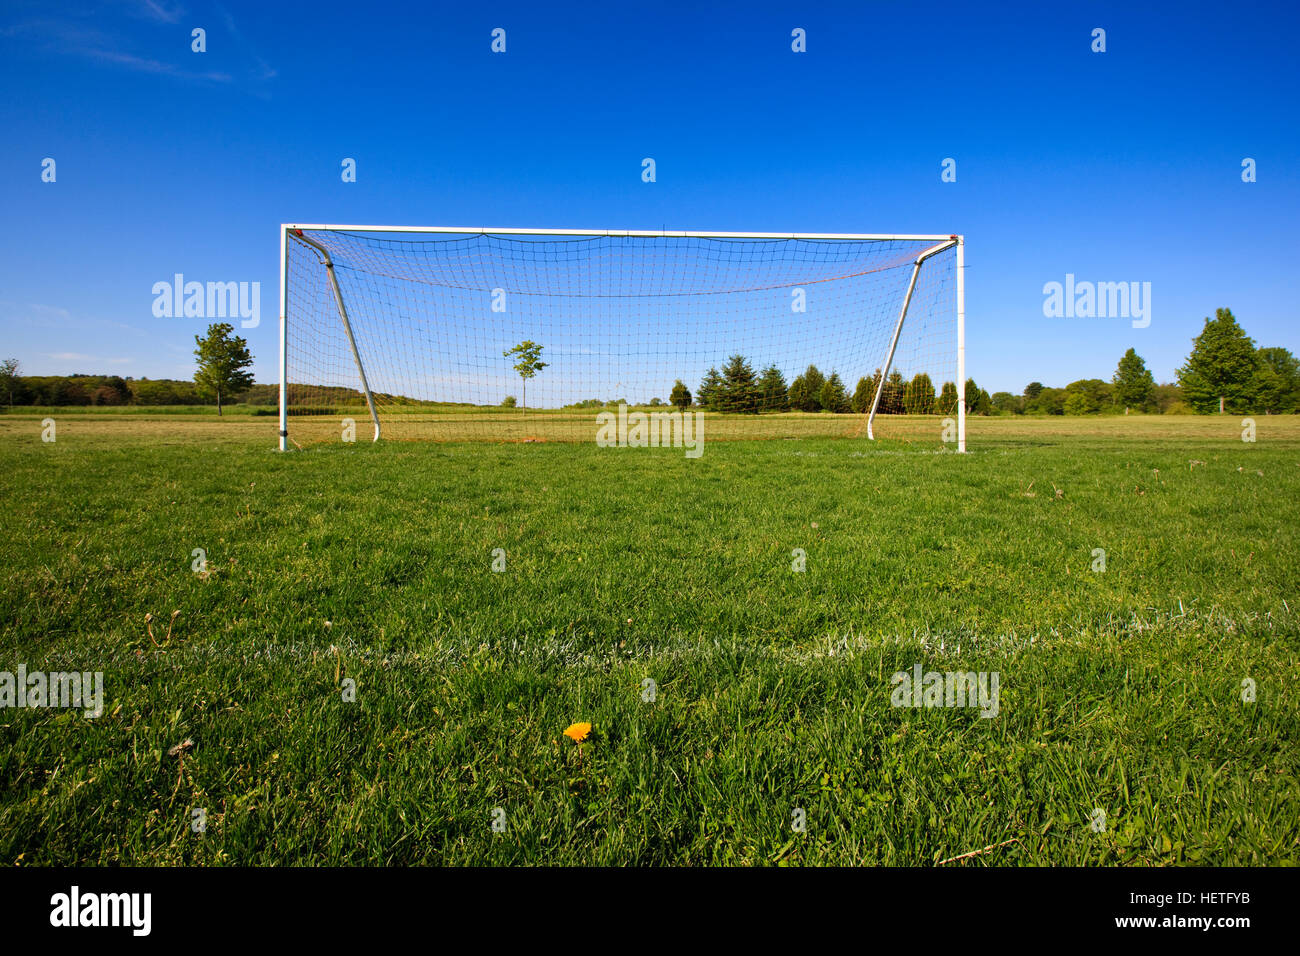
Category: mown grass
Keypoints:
(1120, 690)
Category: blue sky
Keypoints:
(1115, 166)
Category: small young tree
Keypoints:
(530, 362)
(9, 369)
(680, 396)
(222, 359)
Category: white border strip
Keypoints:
(483, 230)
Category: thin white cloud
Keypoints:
(99, 42)
(152, 10)
(264, 70)
(153, 66)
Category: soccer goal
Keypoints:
(458, 334)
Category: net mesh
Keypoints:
(617, 319)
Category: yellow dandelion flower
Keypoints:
(577, 732)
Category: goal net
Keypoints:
(513, 335)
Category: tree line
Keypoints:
(738, 388)
(222, 360)
(101, 390)
(1225, 370)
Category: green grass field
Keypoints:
(1120, 690)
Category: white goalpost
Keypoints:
(416, 331)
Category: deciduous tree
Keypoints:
(222, 359)
(530, 363)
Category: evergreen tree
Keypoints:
(875, 387)
(773, 396)
(739, 389)
(797, 394)
(1134, 386)
(710, 390)
(815, 380)
(833, 396)
(862, 396)
(1221, 366)
(947, 404)
(978, 401)
(1032, 391)
(807, 398)
(891, 396)
(918, 399)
